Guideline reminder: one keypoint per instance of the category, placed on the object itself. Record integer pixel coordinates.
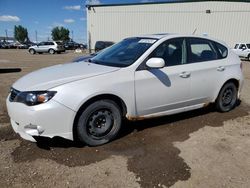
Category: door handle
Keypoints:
(185, 74)
(220, 68)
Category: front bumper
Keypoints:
(49, 120)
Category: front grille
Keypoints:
(13, 94)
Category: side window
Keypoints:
(242, 46)
(41, 44)
(222, 50)
(173, 52)
(201, 50)
(248, 46)
(50, 43)
(236, 46)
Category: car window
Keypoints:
(222, 50)
(41, 44)
(173, 52)
(248, 46)
(236, 46)
(242, 46)
(201, 50)
(49, 43)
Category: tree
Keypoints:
(60, 33)
(20, 33)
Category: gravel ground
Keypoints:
(202, 148)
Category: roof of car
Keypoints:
(172, 35)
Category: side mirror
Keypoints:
(155, 63)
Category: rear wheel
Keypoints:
(32, 51)
(51, 51)
(99, 123)
(227, 97)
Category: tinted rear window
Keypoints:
(222, 50)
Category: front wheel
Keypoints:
(32, 51)
(99, 123)
(51, 51)
(227, 97)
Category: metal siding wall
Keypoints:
(228, 21)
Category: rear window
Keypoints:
(222, 50)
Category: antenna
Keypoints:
(194, 31)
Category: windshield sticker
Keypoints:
(148, 41)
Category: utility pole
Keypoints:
(72, 35)
(36, 35)
(6, 32)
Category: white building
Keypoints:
(225, 20)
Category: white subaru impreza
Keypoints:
(137, 78)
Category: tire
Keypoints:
(227, 98)
(99, 123)
(51, 51)
(32, 51)
(248, 57)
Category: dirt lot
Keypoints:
(202, 148)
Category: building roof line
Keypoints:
(162, 2)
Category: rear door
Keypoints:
(208, 62)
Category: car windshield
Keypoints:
(124, 53)
(236, 46)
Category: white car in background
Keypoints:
(137, 78)
(47, 47)
(242, 50)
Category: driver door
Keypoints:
(166, 89)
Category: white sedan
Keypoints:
(137, 78)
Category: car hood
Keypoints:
(50, 77)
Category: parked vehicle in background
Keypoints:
(100, 45)
(22, 46)
(3, 45)
(137, 78)
(47, 47)
(71, 45)
(242, 50)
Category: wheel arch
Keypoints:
(233, 80)
(51, 49)
(111, 97)
(32, 49)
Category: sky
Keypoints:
(40, 16)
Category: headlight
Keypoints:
(32, 98)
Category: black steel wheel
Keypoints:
(99, 123)
(227, 97)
